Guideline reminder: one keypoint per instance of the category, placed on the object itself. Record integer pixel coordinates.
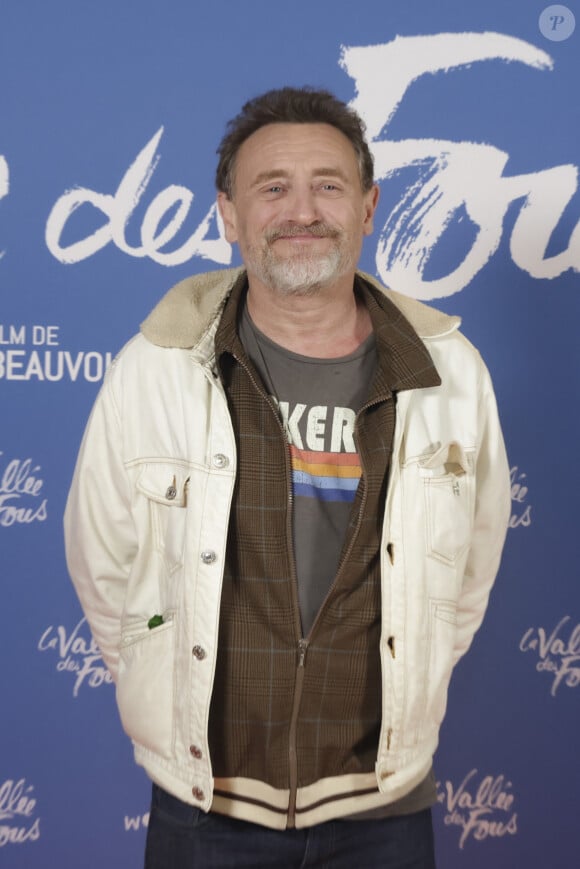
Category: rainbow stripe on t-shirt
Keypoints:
(325, 476)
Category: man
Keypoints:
(286, 518)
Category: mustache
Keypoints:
(291, 230)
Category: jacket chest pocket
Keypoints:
(447, 478)
(165, 485)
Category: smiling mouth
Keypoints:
(301, 233)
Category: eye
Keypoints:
(274, 191)
(330, 187)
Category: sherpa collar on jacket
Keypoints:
(185, 315)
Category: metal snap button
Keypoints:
(195, 751)
(199, 652)
(198, 794)
(220, 461)
(208, 556)
(171, 491)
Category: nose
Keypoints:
(301, 206)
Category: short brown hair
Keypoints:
(292, 106)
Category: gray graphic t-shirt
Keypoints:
(318, 401)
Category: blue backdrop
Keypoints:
(110, 115)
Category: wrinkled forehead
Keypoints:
(283, 148)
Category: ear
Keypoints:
(227, 211)
(371, 200)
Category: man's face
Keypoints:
(298, 211)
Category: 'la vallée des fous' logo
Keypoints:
(558, 652)
(482, 807)
(77, 654)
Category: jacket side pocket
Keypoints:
(443, 627)
(145, 686)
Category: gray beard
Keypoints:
(299, 275)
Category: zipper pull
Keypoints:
(302, 648)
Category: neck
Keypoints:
(330, 323)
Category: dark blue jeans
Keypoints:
(183, 837)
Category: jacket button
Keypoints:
(171, 493)
(220, 461)
(195, 751)
(198, 794)
(199, 652)
(208, 556)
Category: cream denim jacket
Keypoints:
(146, 526)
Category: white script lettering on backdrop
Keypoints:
(77, 653)
(558, 652)
(21, 495)
(17, 809)
(482, 808)
(521, 515)
(118, 210)
(453, 178)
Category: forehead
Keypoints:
(286, 146)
